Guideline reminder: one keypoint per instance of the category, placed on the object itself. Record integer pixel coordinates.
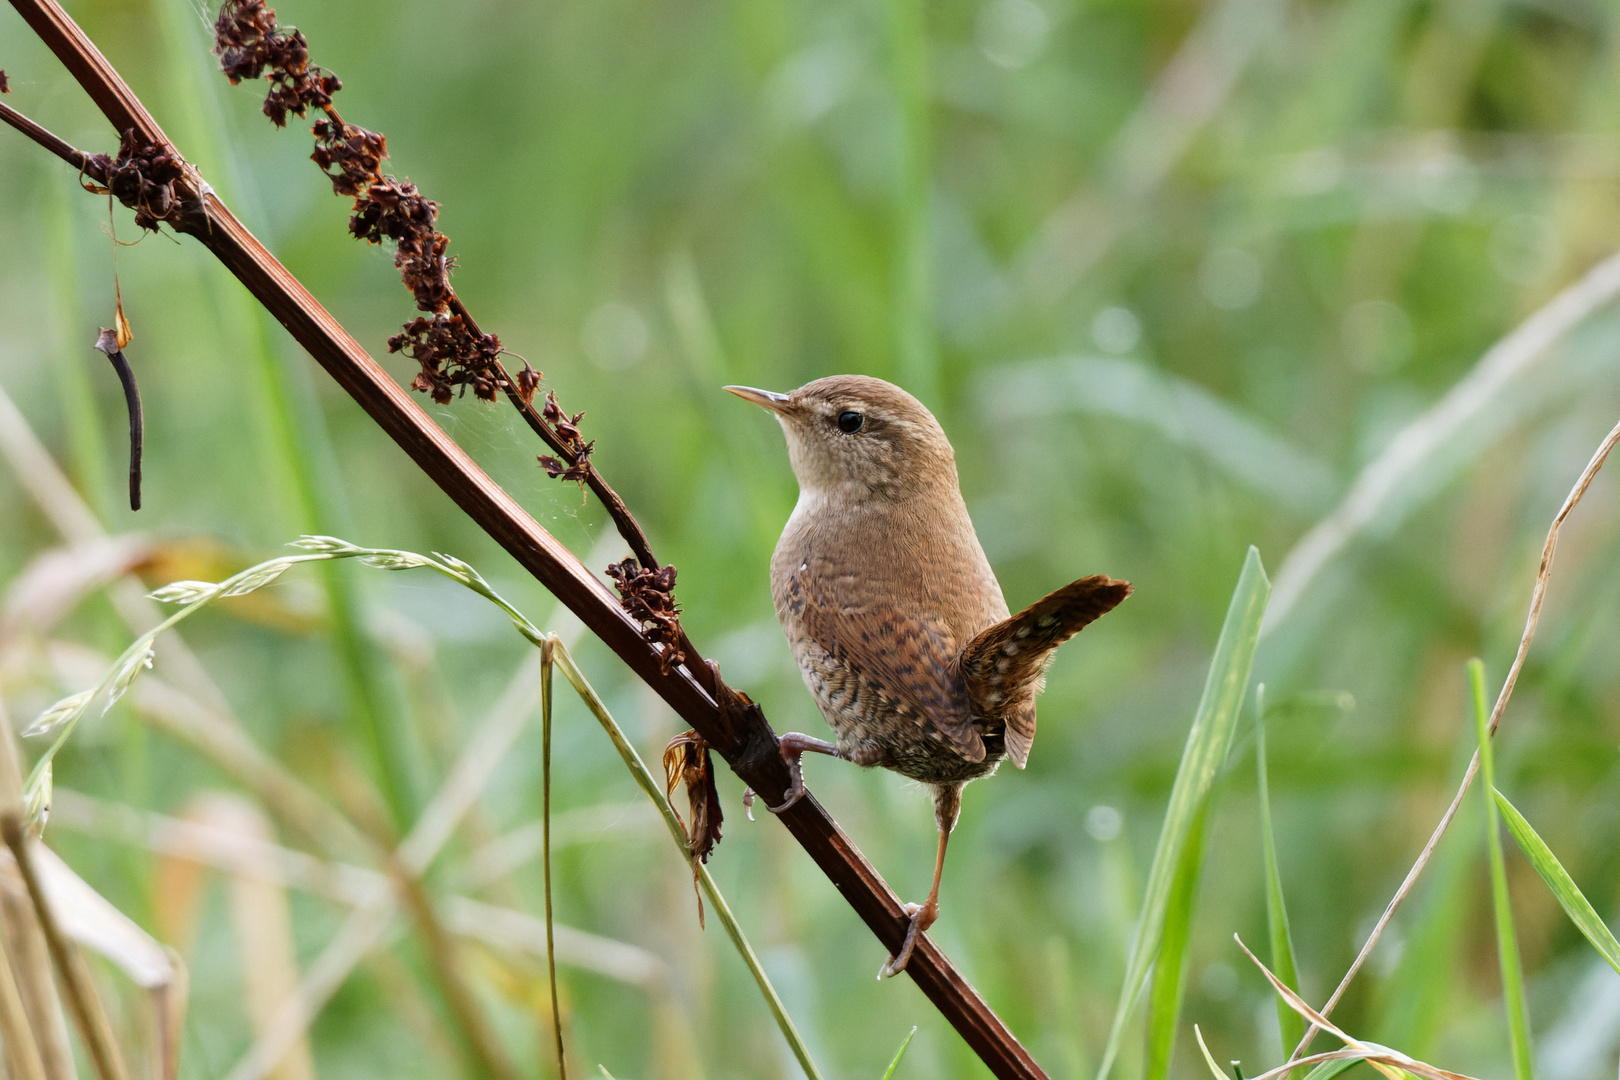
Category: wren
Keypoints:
(891, 609)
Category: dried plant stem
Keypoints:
(22, 1052)
(24, 963)
(1537, 595)
(547, 654)
(80, 992)
(736, 730)
(60, 147)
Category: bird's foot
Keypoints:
(793, 746)
(922, 917)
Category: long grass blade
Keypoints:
(1570, 897)
(1206, 747)
(1170, 969)
(547, 653)
(1282, 942)
(1507, 942)
(888, 1074)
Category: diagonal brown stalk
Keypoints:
(732, 725)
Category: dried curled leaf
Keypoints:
(687, 760)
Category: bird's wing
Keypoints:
(1004, 667)
(907, 659)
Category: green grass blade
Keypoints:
(1206, 748)
(1507, 943)
(1329, 1069)
(1570, 897)
(1170, 969)
(888, 1074)
(1282, 942)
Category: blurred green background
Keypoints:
(1170, 275)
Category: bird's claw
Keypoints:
(796, 790)
(921, 919)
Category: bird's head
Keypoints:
(859, 435)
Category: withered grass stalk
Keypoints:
(77, 987)
(1537, 594)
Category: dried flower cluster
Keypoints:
(649, 598)
(249, 43)
(142, 177)
(445, 342)
(687, 760)
(448, 348)
(567, 429)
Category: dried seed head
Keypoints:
(528, 381)
(250, 44)
(648, 596)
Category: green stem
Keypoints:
(1507, 945)
(547, 655)
(633, 762)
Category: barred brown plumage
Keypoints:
(891, 609)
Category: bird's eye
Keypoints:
(850, 422)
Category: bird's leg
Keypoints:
(947, 803)
(793, 747)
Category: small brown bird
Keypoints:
(892, 611)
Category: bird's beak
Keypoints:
(777, 403)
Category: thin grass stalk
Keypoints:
(1507, 942)
(645, 780)
(1292, 1028)
(80, 992)
(547, 653)
(1537, 594)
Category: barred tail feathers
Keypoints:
(1004, 667)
